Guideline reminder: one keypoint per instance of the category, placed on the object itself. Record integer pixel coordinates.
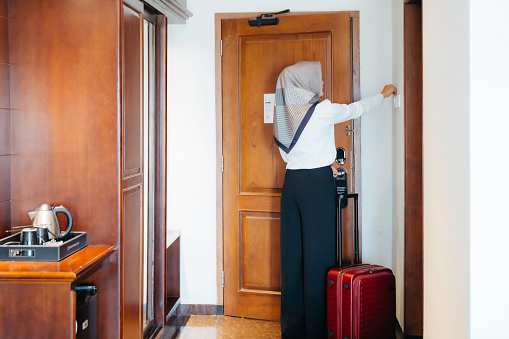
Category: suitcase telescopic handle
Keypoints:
(355, 197)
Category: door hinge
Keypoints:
(221, 47)
(222, 164)
(349, 130)
(222, 279)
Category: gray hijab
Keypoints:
(297, 90)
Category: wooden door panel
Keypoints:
(259, 154)
(48, 300)
(259, 203)
(260, 252)
(4, 45)
(3, 8)
(132, 236)
(253, 176)
(132, 113)
(132, 172)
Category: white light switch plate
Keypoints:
(396, 101)
(269, 101)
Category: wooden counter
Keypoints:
(37, 298)
(67, 269)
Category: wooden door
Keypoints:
(254, 172)
(131, 235)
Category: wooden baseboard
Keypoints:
(401, 335)
(200, 309)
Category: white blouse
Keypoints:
(315, 147)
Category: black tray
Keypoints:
(73, 242)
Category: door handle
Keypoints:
(340, 156)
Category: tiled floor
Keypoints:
(229, 328)
(211, 327)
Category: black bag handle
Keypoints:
(355, 197)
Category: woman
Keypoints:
(304, 132)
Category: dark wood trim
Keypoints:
(200, 309)
(413, 271)
(160, 273)
(356, 124)
(356, 59)
(120, 100)
(150, 330)
(150, 15)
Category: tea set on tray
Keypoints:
(45, 229)
(44, 240)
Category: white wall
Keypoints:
(466, 48)
(398, 159)
(191, 134)
(446, 170)
(489, 179)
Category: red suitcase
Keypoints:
(361, 299)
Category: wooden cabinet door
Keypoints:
(131, 235)
(254, 172)
(37, 309)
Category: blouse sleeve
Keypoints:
(342, 112)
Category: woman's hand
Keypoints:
(335, 172)
(388, 90)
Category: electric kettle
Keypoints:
(46, 215)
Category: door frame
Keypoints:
(356, 140)
(160, 161)
(160, 189)
(413, 196)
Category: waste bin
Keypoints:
(86, 312)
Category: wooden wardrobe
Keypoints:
(76, 134)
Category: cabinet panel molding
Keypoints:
(4, 46)
(4, 86)
(5, 135)
(132, 119)
(132, 237)
(5, 178)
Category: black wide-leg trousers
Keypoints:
(308, 240)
